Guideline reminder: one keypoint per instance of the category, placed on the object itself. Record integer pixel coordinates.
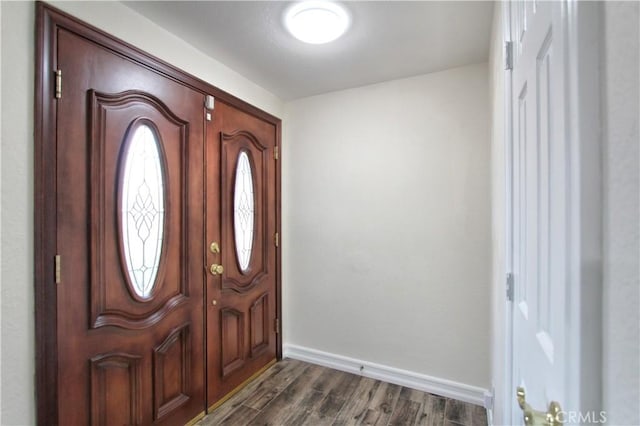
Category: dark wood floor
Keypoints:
(296, 393)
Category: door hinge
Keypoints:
(510, 287)
(508, 55)
(276, 153)
(276, 239)
(58, 84)
(276, 325)
(58, 267)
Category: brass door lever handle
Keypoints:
(552, 417)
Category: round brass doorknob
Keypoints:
(216, 269)
(553, 416)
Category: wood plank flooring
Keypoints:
(293, 393)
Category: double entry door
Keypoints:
(165, 262)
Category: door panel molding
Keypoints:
(233, 144)
(126, 321)
(259, 325)
(168, 292)
(239, 134)
(171, 356)
(232, 340)
(105, 367)
(50, 24)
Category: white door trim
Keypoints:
(506, 348)
(584, 140)
(584, 38)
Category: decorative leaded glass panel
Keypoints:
(243, 211)
(142, 206)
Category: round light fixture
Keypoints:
(316, 22)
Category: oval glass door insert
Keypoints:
(142, 210)
(243, 211)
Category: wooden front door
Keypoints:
(136, 176)
(241, 231)
(129, 227)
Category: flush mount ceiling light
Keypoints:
(316, 22)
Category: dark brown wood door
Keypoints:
(130, 182)
(241, 221)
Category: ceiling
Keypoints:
(387, 40)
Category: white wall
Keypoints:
(18, 45)
(386, 232)
(499, 369)
(0, 220)
(17, 321)
(621, 329)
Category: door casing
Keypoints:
(48, 21)
(583, 29)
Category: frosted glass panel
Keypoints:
(142, 212)
(243, 211)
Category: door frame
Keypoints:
(583, 30)
(507, 345)
(48, 20)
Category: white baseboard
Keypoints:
(410, 379)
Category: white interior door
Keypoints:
(539, 202)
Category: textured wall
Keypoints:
(17, 321)
(387, 224)
(621, 357)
